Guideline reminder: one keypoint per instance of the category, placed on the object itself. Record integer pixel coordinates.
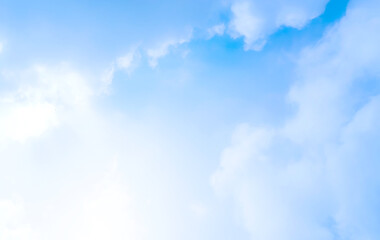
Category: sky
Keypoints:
(167, 120)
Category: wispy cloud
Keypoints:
(217, 30)
(155, 53)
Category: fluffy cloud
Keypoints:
(22, 121)
(58, 155)
(31, 109)
(52, 107)
(316, 177)
(256, 20)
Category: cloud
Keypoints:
(66, 146)
(315, 177)
(22, 121)
(107, 78)
(129, 61)
(154, 54)
(42, 94)
(49, 118)
(132, 60)
(216, 30)
(255, 20)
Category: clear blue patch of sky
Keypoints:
(94, 31)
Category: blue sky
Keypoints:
(221, 119)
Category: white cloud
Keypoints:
(129, 61)
(316, 177)
(256, 20)
(132, 60)
(107, 78)
(216, 30)
(22, 121)
(60, 142)
(154, 54)
(42, 94)
(57, 84)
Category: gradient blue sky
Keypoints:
(220, 119)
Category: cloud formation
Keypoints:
(217, 30)
(50, 118)
(133, 59)
(80, 171)
(76, 164)
(255, 20)
(31, 109)
(315, 177)
(154, 54)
